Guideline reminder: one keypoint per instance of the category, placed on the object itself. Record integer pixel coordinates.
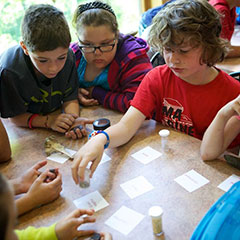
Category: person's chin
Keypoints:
(51, 75)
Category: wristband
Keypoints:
(30, 119)
(94, 133)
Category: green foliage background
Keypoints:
(12, 12)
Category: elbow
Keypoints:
(207, 156)
(6, 156)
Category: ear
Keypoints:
(24, 48)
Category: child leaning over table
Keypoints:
(65, 229)
(39, 76)
(110, 65)
(184, 94)
(222, 131)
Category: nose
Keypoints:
(174, 57)
(53, 67)
(97, 51)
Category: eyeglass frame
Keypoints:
(97, 47)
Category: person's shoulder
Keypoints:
(128, 44)
(11, 56)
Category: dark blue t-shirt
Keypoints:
(22, 91)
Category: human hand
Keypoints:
(61, 122)
(78, 129)
(67, 228)
(106, 236)
(85, 97)
(24, 182)
(92, 151)
(42, 191)
(231, 108)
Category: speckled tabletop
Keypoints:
(182, 210)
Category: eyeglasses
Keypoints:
(102, 48)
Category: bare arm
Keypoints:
(234, 52)
(5, 150)
(222, 131)
(119, 134)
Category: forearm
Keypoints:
(234, 52)
(213, 140)
(24, 204)
(125, 129)
(71, 107)
(16, 183)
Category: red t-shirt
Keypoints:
(228, 17)
(185, 107)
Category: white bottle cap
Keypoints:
(164, 133)
(155, 212)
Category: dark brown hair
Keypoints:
(44, 28)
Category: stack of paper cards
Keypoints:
(146, 155)
(124, 220)
(191, 180)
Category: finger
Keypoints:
(79, 212)
(84, 91)
(40, 164)
(74, 168)
(95, 164)
(43, 176)
(89, 219)
(72, 134)
(85, 233)
(79, 133)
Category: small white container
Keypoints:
(156, 213)
(164, 133)
(86, 182)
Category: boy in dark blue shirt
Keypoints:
(38, 77)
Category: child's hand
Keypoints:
(61, 122)
(106, 236)
(67, 228)
(85, 97)
(42, 192)
(232, 108)
(24, 182)
(78, 129)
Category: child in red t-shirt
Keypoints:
(184, 94)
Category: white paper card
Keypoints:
(105, 158)
(124, 220)
(191, 180)
(60, 157)
(136, 186)
(92, 200)
(227, 184)
(146, 155)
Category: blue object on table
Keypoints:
(222, 221)
(238, 15)
(147, 17)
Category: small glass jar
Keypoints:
(156, 213)
(86, 182)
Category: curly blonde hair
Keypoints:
(194, 21)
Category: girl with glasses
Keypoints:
(110, 65)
